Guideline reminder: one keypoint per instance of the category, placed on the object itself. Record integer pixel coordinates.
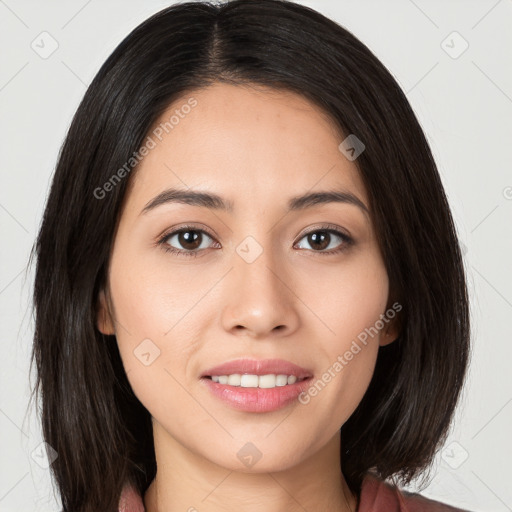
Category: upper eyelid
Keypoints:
(180, 230)
(326, 227)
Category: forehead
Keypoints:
(247, 143)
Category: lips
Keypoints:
(259, 367)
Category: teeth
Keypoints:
(255, 381)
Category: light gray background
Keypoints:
(465, 107)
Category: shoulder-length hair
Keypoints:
(90, 415)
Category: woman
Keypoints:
(249, 291)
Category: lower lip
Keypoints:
(257, 399)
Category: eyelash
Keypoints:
(328, 228)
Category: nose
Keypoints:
(259, 299)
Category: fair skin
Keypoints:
(256, 148)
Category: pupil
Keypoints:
(315, 237)
(189, 242)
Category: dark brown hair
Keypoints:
(90, 415)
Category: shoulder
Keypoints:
(130, 500)
(380, 496)
(376, 496)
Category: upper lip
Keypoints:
(258, 367)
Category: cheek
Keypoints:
(348, 298)
(155, 331)
(153, 298)
(337, 391)
(350, 309)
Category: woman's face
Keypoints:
(260, 280)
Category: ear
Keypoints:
(103, 317)
(389, 334)
(391, 331)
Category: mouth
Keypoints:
(258, 373)
(246, 380)
(257, 393)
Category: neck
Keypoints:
(186, 481)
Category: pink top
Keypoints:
(376, 496)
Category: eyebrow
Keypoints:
(216, 202)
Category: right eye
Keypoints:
(189, 238)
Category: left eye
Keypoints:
(321, 239)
